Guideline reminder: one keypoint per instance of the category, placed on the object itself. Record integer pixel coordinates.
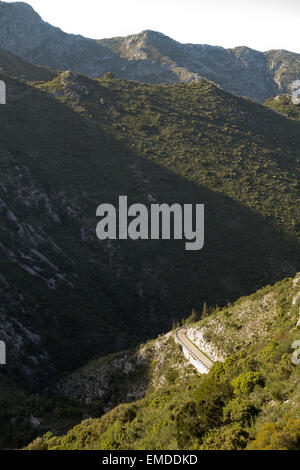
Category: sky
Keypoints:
(259, 24)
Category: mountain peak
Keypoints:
(152, 33)
(15, 6)
(18, 13)
(149, 56)
(23, 5)
(157, 36)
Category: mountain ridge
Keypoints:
(147, 57)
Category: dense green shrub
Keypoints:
(278, 436)
(245, 383)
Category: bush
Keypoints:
(226, 438)
(239, 410)
(245, 383)
(108, 76)
(278, 436)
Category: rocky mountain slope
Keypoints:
(147, 57)
(249, 399)
(69, 143)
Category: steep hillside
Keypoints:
(251, 399)
(73, 143)
(147, 57)
(17, 68)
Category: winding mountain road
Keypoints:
(194, 352)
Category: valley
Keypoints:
(173, 330)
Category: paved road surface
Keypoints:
(193, 350)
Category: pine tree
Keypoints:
(192, 318)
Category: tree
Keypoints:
(226, 438)
(239, 410)
(193, 318)
(204, 310)
(245, 383)
(278, 436)
(108, 76)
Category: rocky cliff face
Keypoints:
(126, 376)
(147, 57)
